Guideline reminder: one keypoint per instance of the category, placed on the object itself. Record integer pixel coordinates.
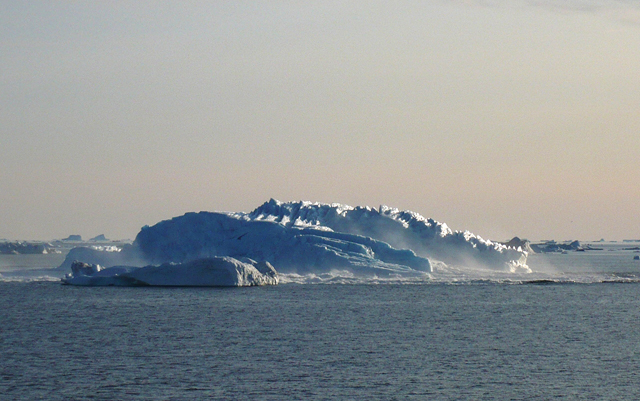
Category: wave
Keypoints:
(459, 275)
(329, 278)
(343, 278)
(4, 278)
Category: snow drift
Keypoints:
(309, 238)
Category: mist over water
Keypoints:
(611, 262)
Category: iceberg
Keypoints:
(99, 238)
(209, 272)
(306, 238)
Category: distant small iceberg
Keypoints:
(99, 238)
(73, 238)
(553, 246)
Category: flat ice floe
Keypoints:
(304, 238)
(209, 272)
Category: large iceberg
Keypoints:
(310, 238)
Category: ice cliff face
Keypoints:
(305, 237)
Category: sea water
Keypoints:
(441, 341)
(574, 336)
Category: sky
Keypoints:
(504, 118)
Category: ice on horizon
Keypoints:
(310, 238)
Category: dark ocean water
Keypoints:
(310, 342)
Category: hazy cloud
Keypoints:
(626, 11)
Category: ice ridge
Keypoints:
(400, 229)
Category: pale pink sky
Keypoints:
(502, 118)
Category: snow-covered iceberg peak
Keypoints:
(400, 229)
(299, 214)
(337, 217)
